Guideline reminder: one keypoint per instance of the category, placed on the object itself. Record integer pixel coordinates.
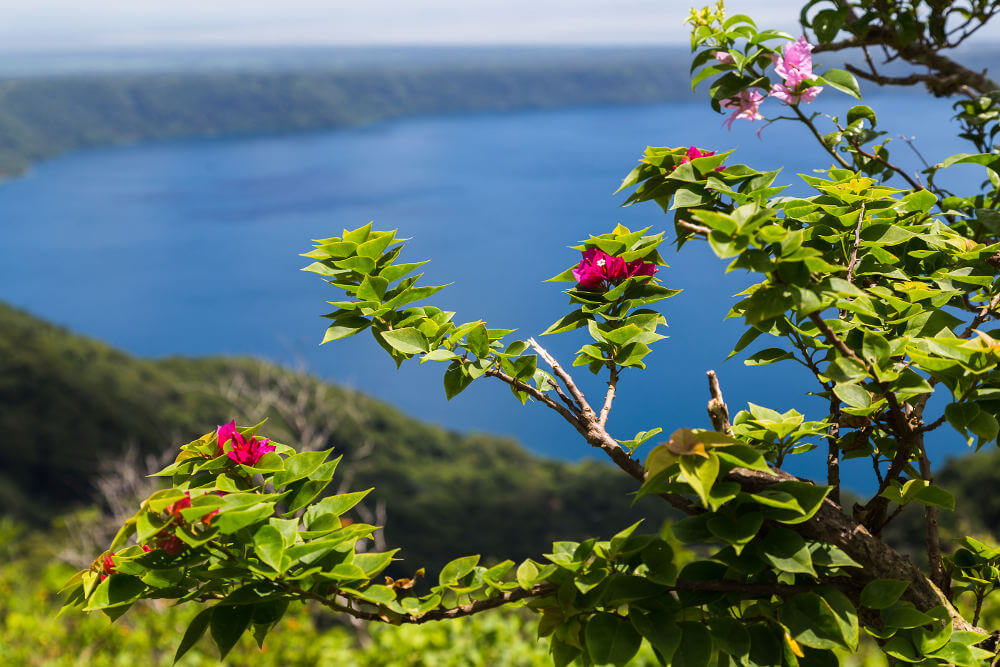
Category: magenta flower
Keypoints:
(598, 270)
(637, 268)
(694, 153)
(723, 57)
(795, 67)
(247, 452)
(744, 105)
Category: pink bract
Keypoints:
(796, 65)
(744, 105)
(247, 452)
(790, 96)
(723, 57)
(693, 153)
(108, 566)
(597, 270)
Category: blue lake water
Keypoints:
(191, 248)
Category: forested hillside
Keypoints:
(70, 406)
(43, 116)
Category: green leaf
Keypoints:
(440, 354)
(269, 545)
(695, 648)
(786, 550)
(456, 569)
(700, 473)
(853, 395)
(372, 288)
(194, 632)
(573, 320)
(341, 503)
(374, 563)
(407, 340)
(611, 639)
(861, 111)
(737, 532)
(232, 521)
(729, 635)
(526, 573)
(809, 496)
(882, 593)
(298, 466)
(227, 623)
(936, 496)
(812, 622)
(875, 349)
(842, 81)
(394, 272)
(478, 341)
(456, 379)
(768, 356)
(904, 615)
(659, 630)
(116, 590)
(345, 326)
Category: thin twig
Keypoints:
(853, 262)
(938, 573)
(534, 393)
(574, 391)
(609, 397)
(913, 183)
(691, 227)
(833, 452)
(394, 618)
(808, 122)
(983, 315)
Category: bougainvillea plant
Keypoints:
(885, 294)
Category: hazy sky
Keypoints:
(60, 25)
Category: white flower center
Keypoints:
(601, 262)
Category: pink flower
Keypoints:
(789, 96)
(796, 65)
(597, 269)
(795, 68)
(695, 153)
(247, 452)
(744, 105)
(723, 57)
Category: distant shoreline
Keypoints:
(64, 102)
(45, 116)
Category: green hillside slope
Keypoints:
(43, 116)
(68, 403)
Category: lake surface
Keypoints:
(191, 248)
